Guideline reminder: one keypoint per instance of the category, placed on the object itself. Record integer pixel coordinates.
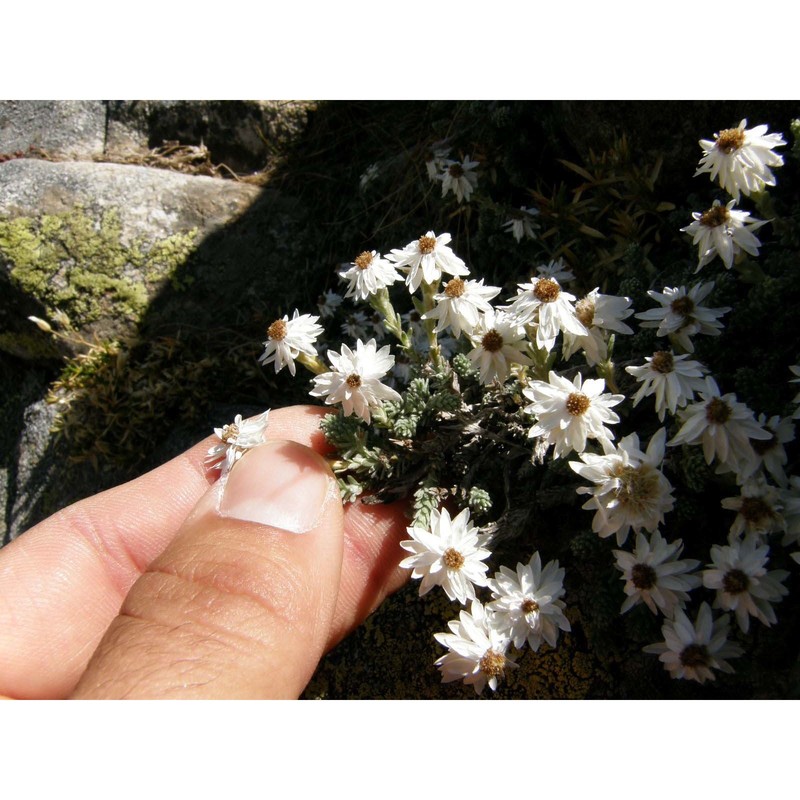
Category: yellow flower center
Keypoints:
(455, 288)
(716, 215)
(452, 559)
(730, 140)
(456, 170)
(353, 380)
(492, 341)
(229, 432)
(755, 510)
(546, 290)
(662, 362)
(426, 244)
(277, 330)
(364, 260)
(492, 664)
(694, 655)
(529, 606)
(577, 404)
(638, 486)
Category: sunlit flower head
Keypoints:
(355, 381)
(235, 440)
(570, 412)
(741, 158)
(498, 341)
(725, 232)
(426, 259)
(367, 274)
(477, 649)
(288, 338)
(598, 313)
(460, 304)
(527, 602)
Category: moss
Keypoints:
(82, 266)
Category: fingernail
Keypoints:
(281, 484)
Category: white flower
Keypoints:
(681, 315)
(630, 490)
(556, 270)
(448, 553)
(477, 649)
(459, 177)
(597, 313)
(328, 303)
(460, 305)
(693, 651)
(544, 304)
(527, 602)
(742, 158)
(234, 440)
(742, 582)
(654, 575)
(672, 379)
(355, 380)
(368, 176)
(288, 338)
(722, 231)
(569, 413)
(426, 259)
(367, 274)
(520, 223)
(758, 509)
(796, 371)
(723, 426)
(355, 325)
(498, 341)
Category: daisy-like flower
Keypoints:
(498, 342)
(655, 576)
(288, 338)
(527, 602)
(741, 158)
(630, 491)
(724, 426)
(520, 223)
(234, 440)
(556, 270)
(426, 259)
(460, 305)
(672, 379)
(681, 316)
(460, 178)
(355, 381)
(598, 313)
(367, 274)
(693, 651)
(568, 413)
(448, 553)
(758, 509)
(543, 303)
(724, 232)
(739, 575)
(477, 649)
(328, 303)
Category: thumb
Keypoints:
(241, 602)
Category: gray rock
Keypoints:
(64, 128)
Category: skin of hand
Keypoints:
(176, 585)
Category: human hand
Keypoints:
(168, 587)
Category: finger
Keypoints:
(62, 582)
(240, 603)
